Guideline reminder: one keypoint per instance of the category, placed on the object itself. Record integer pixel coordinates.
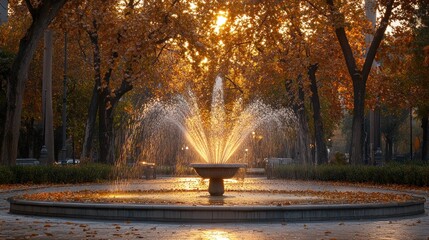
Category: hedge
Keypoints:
(79, 173)
(56, 174)
(417, 175)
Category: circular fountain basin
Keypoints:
(197, 206)
(224, 171)
(216, 173)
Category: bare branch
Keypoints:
(159, 54)
(316, 8)
(234, 84)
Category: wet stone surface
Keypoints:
(31, 227)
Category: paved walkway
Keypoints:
(32, 227)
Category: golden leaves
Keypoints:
(146, 197)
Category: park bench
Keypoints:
(271, 163)
(149, 170)
(27, 162)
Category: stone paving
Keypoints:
(33, 227)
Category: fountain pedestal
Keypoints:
(216, 173)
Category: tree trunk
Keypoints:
(319, 133)
(425, 123)
(42, 16)
(106, 99)
(105, 128)
(297, 98)
(359, 77)
(29, 125)
(358, 130)
(90, 125)
(389, 148)
(15, 91)
(95, 99)
(105, 120)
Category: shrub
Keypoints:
(339, 159)
(6, 175)
(417, 175)
(56, 174)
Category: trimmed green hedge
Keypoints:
(79, 173)
(417, 175)
(56, 174)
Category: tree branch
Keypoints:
(378, 37)
(31, 9)
(234, 84)
(343, 40)
(316, 8)
(159, 54)
(125, 87)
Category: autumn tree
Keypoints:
(420, 74)
(6, 59)
(341, 22)
(127, 39)
(42, 13)
(276, 46)
(403, 79)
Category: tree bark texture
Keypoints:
(42, 17)
(319, 133)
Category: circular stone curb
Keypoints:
(210, 214)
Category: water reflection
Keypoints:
(215, 235)
(218, 200)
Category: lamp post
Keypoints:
(47, 153)
(64, 113)
(329, 148)
(411, 133)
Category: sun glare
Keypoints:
(220, 21)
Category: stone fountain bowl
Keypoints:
(217, 173)
(222, 171)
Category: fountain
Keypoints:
(216, 140)
(216, 136)
(217, 173)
